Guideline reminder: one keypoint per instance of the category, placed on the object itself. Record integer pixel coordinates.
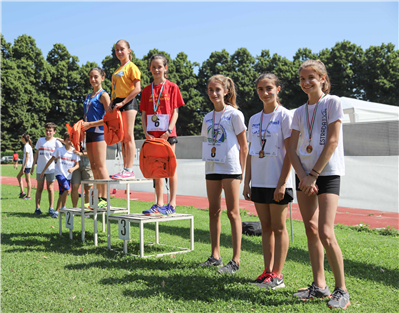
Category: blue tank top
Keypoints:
(94, 111)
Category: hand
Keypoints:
(77, 152)
(109, 109)
(86, 125)
(118, 106)
(165, 135)
(32, 169)
(246, 192)
(308, 185)
(148, 136)
(42, 175)
(279, 192)
(70, 170)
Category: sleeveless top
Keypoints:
(94, 111)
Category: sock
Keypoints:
(105, 199)
(129, 169)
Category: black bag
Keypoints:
(252, 228)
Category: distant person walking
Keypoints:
(15, 158)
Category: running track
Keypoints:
(346, 216)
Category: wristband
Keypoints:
(170, 131)
(310, 174)
(316, 171)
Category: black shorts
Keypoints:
(266, 195)
(172, 140)
(131, 105)
(94, 137)
(222, 176)
(326, 184)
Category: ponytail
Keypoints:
(27, 139)
(228, 84)
(320, 69)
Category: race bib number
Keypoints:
(158, 122)
(214, 152)
(124, 229)
(270, 149)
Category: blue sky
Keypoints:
(89, 29)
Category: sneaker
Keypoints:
(313, 292)
(87, 205)
(124, 175)
(102, 204)
(272, 282)
(167, 210)
(152, 211)
(212, 262)
(27, 198)
(50, 211)
(229, 268)
(38, 211)
(261, 277)
(339, 299)
(55, 215)
(22, 195)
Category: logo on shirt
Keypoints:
(220, 135)
(323, 129)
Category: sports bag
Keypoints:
(157, 159)
(113, 127)
(77, 134)
(252, 228)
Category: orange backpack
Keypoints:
(77, 134)
(157, 159)
(113, 127)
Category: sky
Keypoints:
(89, 29)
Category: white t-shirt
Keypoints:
(328, 111)
(231, 125)
(28, 149)
(65, 160)
(46, 149)
(265, 172)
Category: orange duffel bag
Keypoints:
(113, 127)
(77, 134)
(157, 159)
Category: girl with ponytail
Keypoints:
(26, 167)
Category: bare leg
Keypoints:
(278, 215)
(75, 195)
(128, 146)
(27, 179)
(173, 185)
(159, 191)
(19, 178)
(263, 211)
(97, 153)
(50, 190)
(214, 191)
(39, 190)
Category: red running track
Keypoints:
(346, 216)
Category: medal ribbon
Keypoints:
(214, 134)
(90, 101)
(263, 137)
(116, 72)
(310, 128)
(159, 97)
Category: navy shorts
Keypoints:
(326, 184)
(222, 176)
(131, 105)
(266, 195)
(63, 183)
(94, 137)
(27, 170)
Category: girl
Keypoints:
(225, 153)
(160, 103)
(94, 108)
(268, 171)
(319, 165)
(15, 158)
(125, 87)
(26, 166)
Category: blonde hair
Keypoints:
(228, 84)
(320, 69)
(127, 45)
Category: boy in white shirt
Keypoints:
(45, 148)
(67, 162)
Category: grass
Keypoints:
(43, 272)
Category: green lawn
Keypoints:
(43, 272)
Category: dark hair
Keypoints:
(127, 45)
(163, 58)
(320, 69)
(50, 125)
(271, 76)
(228, 84)
(98, 69)
(27, 139)
(66, 135)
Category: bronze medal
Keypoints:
(154, 118)
(261, 154)
(309, 149)
(213, 152)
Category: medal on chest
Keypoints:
(263, 136)
(310, 124)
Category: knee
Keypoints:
(327, 237)
(266, 227)
(127, 138)
(312, 229)
(233, 215)
(214, 214)
(278, 229)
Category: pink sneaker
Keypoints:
(124, 175)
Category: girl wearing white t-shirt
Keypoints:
(319, 164)
(267, 177)
(225, 153)
(27, 163)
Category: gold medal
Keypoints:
(213, 152)
(309, 149)
(261, 154)
(154, 118)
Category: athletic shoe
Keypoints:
(27, 198)
(339, 299)
(87, 205)
(50, 211)
(55, 215)
(38, 211)
(22, 195)
(124, 175)
(313, 292)
(167, 210)
(102, 204)
(212, 262)
(152, 211)
(261, 277)
(272, 282)
(229, 268)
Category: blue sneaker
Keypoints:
(51, 211)
(55, 215)
(153, 211)
(167, 210)
(38, 211)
